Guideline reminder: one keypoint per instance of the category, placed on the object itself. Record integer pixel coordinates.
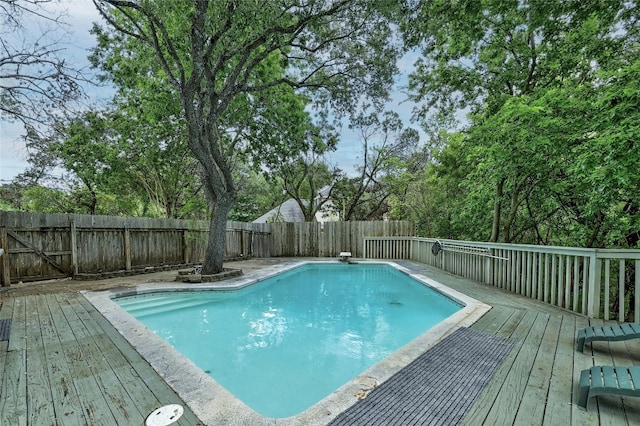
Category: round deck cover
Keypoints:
(164, 415)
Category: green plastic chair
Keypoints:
(601, 380)
(624, 331)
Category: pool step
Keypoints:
(149, 300)
(142, 307)
(142, 301)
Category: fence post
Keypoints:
(593, 298)
(4, 244)
(127, 248)
(74, 247)
(185, 247)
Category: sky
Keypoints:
(80, 15)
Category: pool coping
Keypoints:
(213, 404)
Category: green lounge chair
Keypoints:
(623, 381)
(622, 331)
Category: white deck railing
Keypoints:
(600, 283)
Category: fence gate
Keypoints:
(35, 253)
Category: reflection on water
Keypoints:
(351, 343)
(268, 330)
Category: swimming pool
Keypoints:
(315, 324)
(215, 404)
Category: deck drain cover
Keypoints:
(164, 415)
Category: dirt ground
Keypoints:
(70, 285)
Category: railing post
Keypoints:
(74, 249)
(593, 291)
(636, 303)
(488, 268)
(607, 266)
(364, 248)
(621, 275)
(410, 249)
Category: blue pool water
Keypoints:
(287, 342)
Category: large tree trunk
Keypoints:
(513, 211)
(216, 246)
(221, 194)
(495, 227)
(217, 182)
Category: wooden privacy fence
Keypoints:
(600, 283)
(40, 246)
(45, 246)
(313, 239)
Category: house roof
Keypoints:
(289, 212)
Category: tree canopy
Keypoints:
(225, 59)
(547, 154)
(530, 109)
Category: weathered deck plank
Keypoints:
(107, 367)
(610, 410)
(104, 387)
(39, 397)
(509, 398)
(580, 363)
(492, 321)
(511, 325)
(13, 393)
(145, 387)
(66, 403)
(633, 347)
(92, 410)
(13, 407)
(558, 405)
(6, 312)
(95, 406)
(537, 386)
(487, 399)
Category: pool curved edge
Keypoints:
(214, 405)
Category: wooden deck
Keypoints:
(538, 383)
(64, 364)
